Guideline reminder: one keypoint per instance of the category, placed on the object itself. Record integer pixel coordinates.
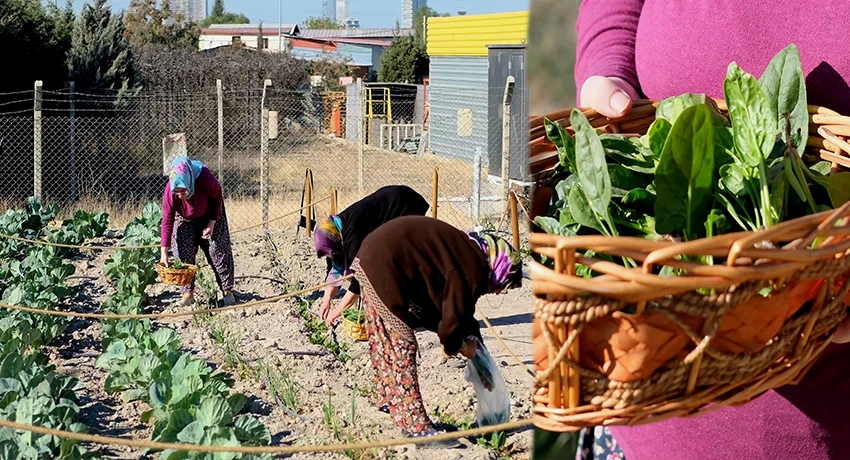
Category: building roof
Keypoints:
(363, 41)
(355, 33)
(249, 29)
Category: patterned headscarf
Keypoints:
(327, 238)
(505, 261)
(183, 173)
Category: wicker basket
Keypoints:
(632, 347)
(176, 276)
(355, 330)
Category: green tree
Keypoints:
(147, 24)
(99, 58)
(404, 61)
(35, 39)
(422, 13)
(218, 15)
(322, 22)
(260, 36)
(218, 8)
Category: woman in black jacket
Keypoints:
(338, 237)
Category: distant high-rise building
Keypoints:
(341, 10)
(192, 10)
(408, 10)
(329, 9)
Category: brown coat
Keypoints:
(432, 265)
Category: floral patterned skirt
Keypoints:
(393, 355)
(596, 443)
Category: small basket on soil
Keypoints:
(632, 346)
(181, 275)
(354, 324)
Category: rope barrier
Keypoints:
(150, 246)
(174, 314)
(145, 444)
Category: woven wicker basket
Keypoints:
(632, 347)
(176, 276)
(355, 330)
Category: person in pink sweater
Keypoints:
(193, 217)
(655, 49)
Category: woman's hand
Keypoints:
(163, 256)
(208, 230)
(469, 347)
(333, 315)
(610, 96)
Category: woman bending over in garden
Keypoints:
(418, 272)
(193, 217)
(338, 237)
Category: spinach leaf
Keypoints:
(583, 213)
(753, 122)
(785, 86)
(564, 142)
(640, 198)
(672, 107)
(658, 132)
(623, 180)
(684, 178)
(592, 169)
(627, 153)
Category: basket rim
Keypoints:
(187, 268)
(744, 260)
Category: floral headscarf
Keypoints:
(505, 261)
(183, 173)
(327, 238)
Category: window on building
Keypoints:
(235, 40)
(265, 43)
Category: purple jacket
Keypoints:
(668, 47)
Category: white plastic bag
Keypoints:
(494, 402)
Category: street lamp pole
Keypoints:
(279, 26)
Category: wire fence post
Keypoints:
(264, 158)
(220, 100)
(72, 152)
(361, 163)
(476, 187)
(506, 138)
(36, 138)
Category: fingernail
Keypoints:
(619, 101)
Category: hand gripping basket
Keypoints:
(631, 347)
(176, 276)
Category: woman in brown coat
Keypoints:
(419, 272)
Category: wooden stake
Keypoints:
(514, 220)
(434, 194)
(308, 200)
(334, 200)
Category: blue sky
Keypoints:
(371, 13)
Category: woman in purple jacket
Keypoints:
(654, 49)
(193, 217)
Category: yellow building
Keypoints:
(471, 57)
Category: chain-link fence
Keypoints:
(98, 152)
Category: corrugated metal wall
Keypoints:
(458, 83)
(361, 55)
(504, 61)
